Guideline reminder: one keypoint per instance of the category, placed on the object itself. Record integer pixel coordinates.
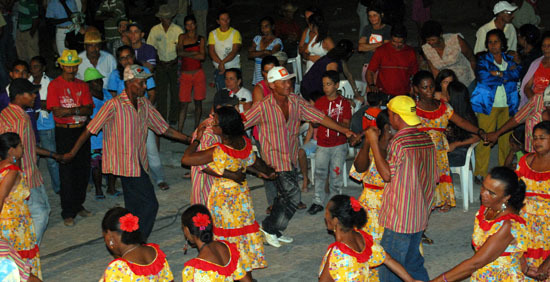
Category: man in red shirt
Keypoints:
(71, 103)
(395, 63)
(332, 147)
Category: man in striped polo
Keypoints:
(410, 173)
(125, 120)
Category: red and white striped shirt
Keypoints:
(279, 137)
(14, 119)
(200, 181)
(125, 134)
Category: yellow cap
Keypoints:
(405, 107)
(69, 58)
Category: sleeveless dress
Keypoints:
(201, 270)
(435, 123)
(257, 77)
(231, 206)
(505, 268)
(536, 211)
(315, 49)
(371, 200)
(16, 222)
(121, 270)
(345, 264)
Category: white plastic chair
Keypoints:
(466, 176)
(296, 63)
(347, 91)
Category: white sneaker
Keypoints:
(271, 239)
(285, 239)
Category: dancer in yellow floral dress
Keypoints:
(229, 200)
(15, 219)
(534, 170)
(435, 117)
(354, 252)
(500, 236)
(134, 261)
(217, 261)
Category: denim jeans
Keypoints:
(155, 165)
(140, 200)
(219, 80)
(47, 141)
(39, 207)
(329, 161)
(274, 222)
(404, 248)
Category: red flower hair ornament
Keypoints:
(129, 223)
(355, 205)
(201, 221)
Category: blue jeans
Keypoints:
(39, 207)
(329, 161)
(155, 165)
(219, 80)
(404, 248)
(47, 141)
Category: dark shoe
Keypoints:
(69, 221)
(315, 208)
(163, 186)
(426, 240)
(301, 206)
(85, 213)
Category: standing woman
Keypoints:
(354, 252)
(265, 44)
(191, 50)
(134, 260)
(217, 261)
(495, 98)
(373, 35)
(534, 170)
(500, 236)
(15, 218)
(319, 43)
(229, 199)
(435, 116)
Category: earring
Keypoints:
(503, 206)
(111, 243)
(13, 159)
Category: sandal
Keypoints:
(163, 186)
(302, 206)
(445, 208)
(426, 240)
(100, 197)
(187, 175)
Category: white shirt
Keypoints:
(244, 95)
(509, 32)
(105, 65)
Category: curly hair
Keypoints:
(348, 218)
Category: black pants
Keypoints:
(284, 206)
(140, 200)
(74, 175)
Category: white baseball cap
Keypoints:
(279, 73)
(502, 6)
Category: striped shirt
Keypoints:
(201, 181)
(531, 114)
(14, 119)
(8, 252)
(279, 137)
(125, 134)
(407, 198)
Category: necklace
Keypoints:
(202, 247)
(129, 251)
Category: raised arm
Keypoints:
(382, 164)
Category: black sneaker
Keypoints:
(315, 208)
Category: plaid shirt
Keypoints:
(407, 198)
(14, 119)
(125, 134)
(278, 136)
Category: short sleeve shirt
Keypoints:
(339, 110)
(375, 36)
(146, 54)
(165, 42)
(237, 39)
(56, 11)
(65, 94)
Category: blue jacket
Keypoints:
(484, 94)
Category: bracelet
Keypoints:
(445, 278)
(479, 131)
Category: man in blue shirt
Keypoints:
(57, 15)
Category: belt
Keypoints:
(73, 125)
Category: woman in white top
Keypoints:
(233, 88)
(319, 41)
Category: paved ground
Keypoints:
(78, 253)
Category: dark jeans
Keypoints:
(166, 78)
(404, 248)
(277, 221)
(140, 200)
(75, 174)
